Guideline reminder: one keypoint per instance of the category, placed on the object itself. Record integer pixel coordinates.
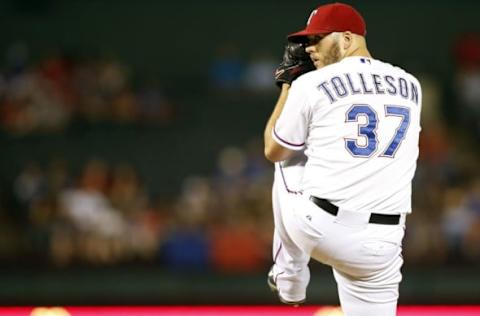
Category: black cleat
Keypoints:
(273, 286)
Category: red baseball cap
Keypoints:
(334, 17)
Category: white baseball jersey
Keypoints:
(359, 122)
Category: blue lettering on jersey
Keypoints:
(350, 84)
(402, 83)
(414, 90)
(364, 86)
(339, 87)
(378, 84)
(343, 86)
(328, 93)
(392, 90)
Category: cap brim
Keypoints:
(302, 35)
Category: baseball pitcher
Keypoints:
(357, 119)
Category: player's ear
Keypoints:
(347, 39)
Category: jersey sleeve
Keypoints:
(291, 128)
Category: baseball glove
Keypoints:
(295, 62)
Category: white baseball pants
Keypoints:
(366, 258)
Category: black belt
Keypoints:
(375, 218)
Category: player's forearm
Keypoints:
(272, 150)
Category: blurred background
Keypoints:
(131, 151)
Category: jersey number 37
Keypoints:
(369, 130)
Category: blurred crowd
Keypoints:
(445, 225)
(231, 72)
(59, 90)
(467, 82)
(103, 214)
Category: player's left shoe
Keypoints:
(273, 286)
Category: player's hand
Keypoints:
(295, 63)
